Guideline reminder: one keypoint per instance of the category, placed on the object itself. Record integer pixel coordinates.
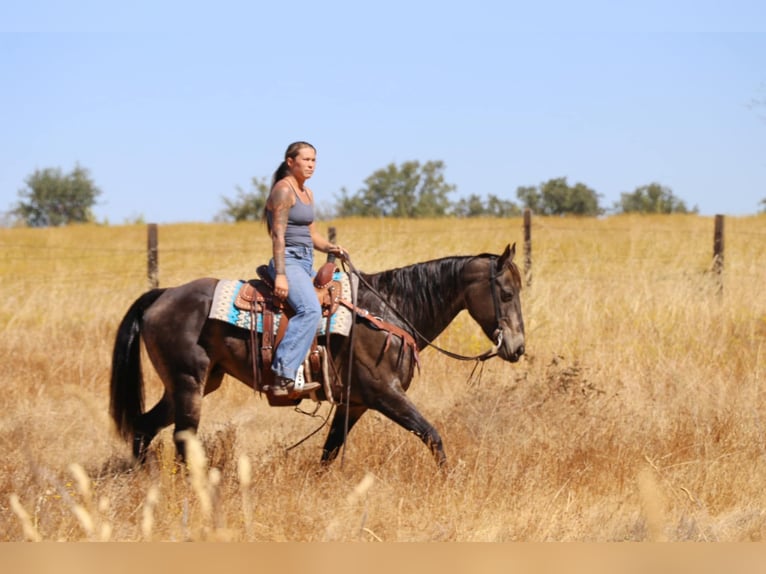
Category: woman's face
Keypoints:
(302, 165)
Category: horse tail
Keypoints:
(127, 383)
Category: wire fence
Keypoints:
(540, 237)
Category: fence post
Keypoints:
(331, 239)
(151, 253)
(528, 246)
(718, 244)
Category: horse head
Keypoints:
(492, 299)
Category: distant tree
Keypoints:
(52, 199)
(502, 207)
(471, 206)
(248, 205)
(350, 205)
(652, 198)
(407, 190)
(493, 206)
(763, 205)
(561, 199)
(530, 198)
(557, 197)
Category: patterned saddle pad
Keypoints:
(226, 291)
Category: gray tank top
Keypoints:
(299, 218)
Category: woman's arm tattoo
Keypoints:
(279, 212)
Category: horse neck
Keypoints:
(428, 295)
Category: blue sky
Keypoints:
(173, 105)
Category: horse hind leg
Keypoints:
(149, 424)
(182, 407)
(187, 399)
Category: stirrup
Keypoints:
(284, 387)
(300, 380)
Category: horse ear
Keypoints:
(508, 254)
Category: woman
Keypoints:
(289, 214)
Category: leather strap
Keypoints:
(254, 348)
(382, 325)
(267, 339)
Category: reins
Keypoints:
(352, 340)
(492, 352)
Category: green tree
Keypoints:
(350, 205)
(52, 199)
(501, 207)
(557, 197)
(407, 190)
(247, 205)
(652, 198)
(583, 201)
(493, 206)
(471, 206)
(530, 198)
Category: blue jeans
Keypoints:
(301, 330)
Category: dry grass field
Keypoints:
(638, 414)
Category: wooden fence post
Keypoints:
(528, 246)
(151, 253)
(718, 252)
(331, 239)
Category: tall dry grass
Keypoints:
(637, 414)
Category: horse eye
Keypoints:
(506, 295)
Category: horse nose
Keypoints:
(514, 348)
(517, 353)
(517, 346)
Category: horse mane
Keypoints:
(422, 292)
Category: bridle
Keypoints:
(497, 334)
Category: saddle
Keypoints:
(257, 297)
(256, 292)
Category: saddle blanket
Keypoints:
(225, 294)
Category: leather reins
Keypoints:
(498, 333)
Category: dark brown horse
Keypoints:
(191, 352)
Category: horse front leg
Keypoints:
(338, 431)
(399, 408)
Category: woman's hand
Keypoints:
(281, 289)
(338, 251)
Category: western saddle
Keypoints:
(257, 297)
